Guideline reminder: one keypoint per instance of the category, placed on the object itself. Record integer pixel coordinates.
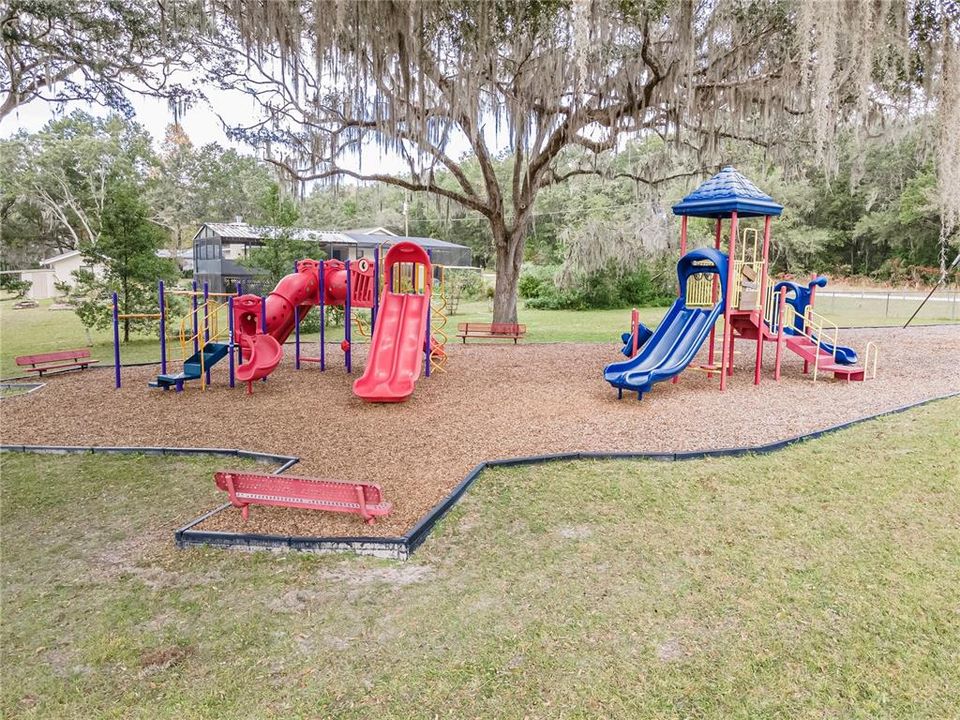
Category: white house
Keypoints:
(60, 268)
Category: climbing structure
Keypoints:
(736, 286)
(756, 309)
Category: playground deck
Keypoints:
(495, 401)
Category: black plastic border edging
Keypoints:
(422, 529)
(403, 546)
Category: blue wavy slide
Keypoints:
(680, 334)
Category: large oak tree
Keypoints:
(408, 76)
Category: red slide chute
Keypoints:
(397, 347)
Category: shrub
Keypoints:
(647, 285)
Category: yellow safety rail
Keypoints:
(866, 360)
(207, 324)
(199, 293)
(749, 255)
(438, 315)
(700, 290)
(817, 329)
(771, 305)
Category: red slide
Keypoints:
(262, 354)
(396, 350)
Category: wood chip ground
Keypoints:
(494, 401)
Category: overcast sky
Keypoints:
(199, 122)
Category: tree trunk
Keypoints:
(509, 249)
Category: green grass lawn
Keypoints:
(822, 581)
(24, 332)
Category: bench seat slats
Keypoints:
(245, 489)
(493, 331)
(59, 356)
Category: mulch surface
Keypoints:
(494, 401)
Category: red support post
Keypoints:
(813, 296)
(727, 356)
(634, 330)
(781, 312)
(763, 296)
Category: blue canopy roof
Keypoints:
(726, 192)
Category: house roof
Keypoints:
(377, 239)
(371, 231)
(727, 192)
(366, 237)
(57, 258)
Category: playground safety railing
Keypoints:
(816, 328)
(700, 290)
(749, 255)
(867, 354)
(208, 331)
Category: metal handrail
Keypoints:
(814, 326)
(866, 360)
(204, 329)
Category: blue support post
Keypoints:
(237, 340)
(428, 285)
(296, 336)
(163, 331)
(116, 343)
(230, 341)
(263, 319)
(196, 324)
(206, 323)
(346, 320)
(323, 316)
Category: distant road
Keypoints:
(947, 296)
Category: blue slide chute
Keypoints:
(679, 335)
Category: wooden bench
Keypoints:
(43, 362)
(246, 489)
(491, 331)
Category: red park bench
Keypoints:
(59, 360)
(491, 330)
(246, 489)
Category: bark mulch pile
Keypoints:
(494, 401)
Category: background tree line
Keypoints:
(100, 185)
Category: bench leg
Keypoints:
(245, 512)
(362, 502)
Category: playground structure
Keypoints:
(737, 286)
(249, 330)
